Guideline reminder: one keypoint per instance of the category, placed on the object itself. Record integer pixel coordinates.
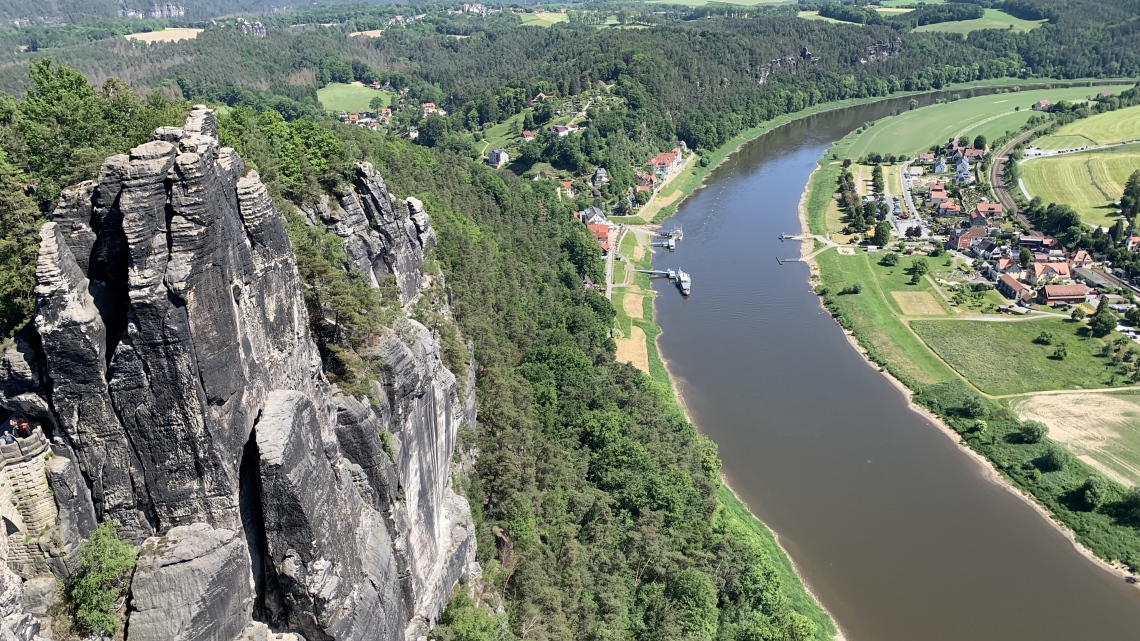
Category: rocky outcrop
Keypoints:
(188, 586)
(383, 237)
(174, 373)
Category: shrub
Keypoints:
(106, 563)
(1060, 353)
(1094, 492)
(853, 288)
(1033, 431)
(1054, 459)
(889, 259)
(1044, 338)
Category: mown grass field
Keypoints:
(814, 15)
(1090, 182)
(544, 19)
(338, 96)
(914, 131)
(1122, 125)
(1001, 358)
(993, 19)
(993, 129)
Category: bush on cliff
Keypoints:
(96, 590)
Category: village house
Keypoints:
(974, 154)
(386, 111)
(1062, 295)
(646, 179)
(962, 239)
(949, 208)
(1039, 243)
(1041, 273)
(1081, 259)
(1104, 94)
(602, 233)
(926, 159)
(1041, 105)
(987, 249)
(1013, 289)
(428, 108)
(592, 216)
(601, 177)
(940, 166)
(665, 162)
(527, 135)
(938, 194)
(497, 158)
(538, 98)
(1133, 243)
(559, 130)
(567, 188)
(1007, 265)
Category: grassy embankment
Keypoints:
(1002, 354)
(1090, 182)
(993, 19)
(339, 96)
(991, 115)
(1122, 125)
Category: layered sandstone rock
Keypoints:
(173, 369)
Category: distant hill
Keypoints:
(39, 11)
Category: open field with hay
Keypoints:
(166, 35)
(1101, 429)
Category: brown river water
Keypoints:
(901, 535)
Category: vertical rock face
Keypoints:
(173, 369)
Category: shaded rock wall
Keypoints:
(173, 367)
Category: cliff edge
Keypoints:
(181, 394)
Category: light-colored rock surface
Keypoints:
(193, 584)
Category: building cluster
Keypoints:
(475, 9)
(368, 119)
(595, 220)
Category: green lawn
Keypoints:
(544, 19)
(1122, 125)
(337, 96)
(1001, 357)
(993, 129)
(993, 19)
(914, 131)
(873, 314)
(1090, 182)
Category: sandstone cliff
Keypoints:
(182, 395)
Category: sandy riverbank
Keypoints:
(985, 467)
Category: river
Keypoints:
(901, 535)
